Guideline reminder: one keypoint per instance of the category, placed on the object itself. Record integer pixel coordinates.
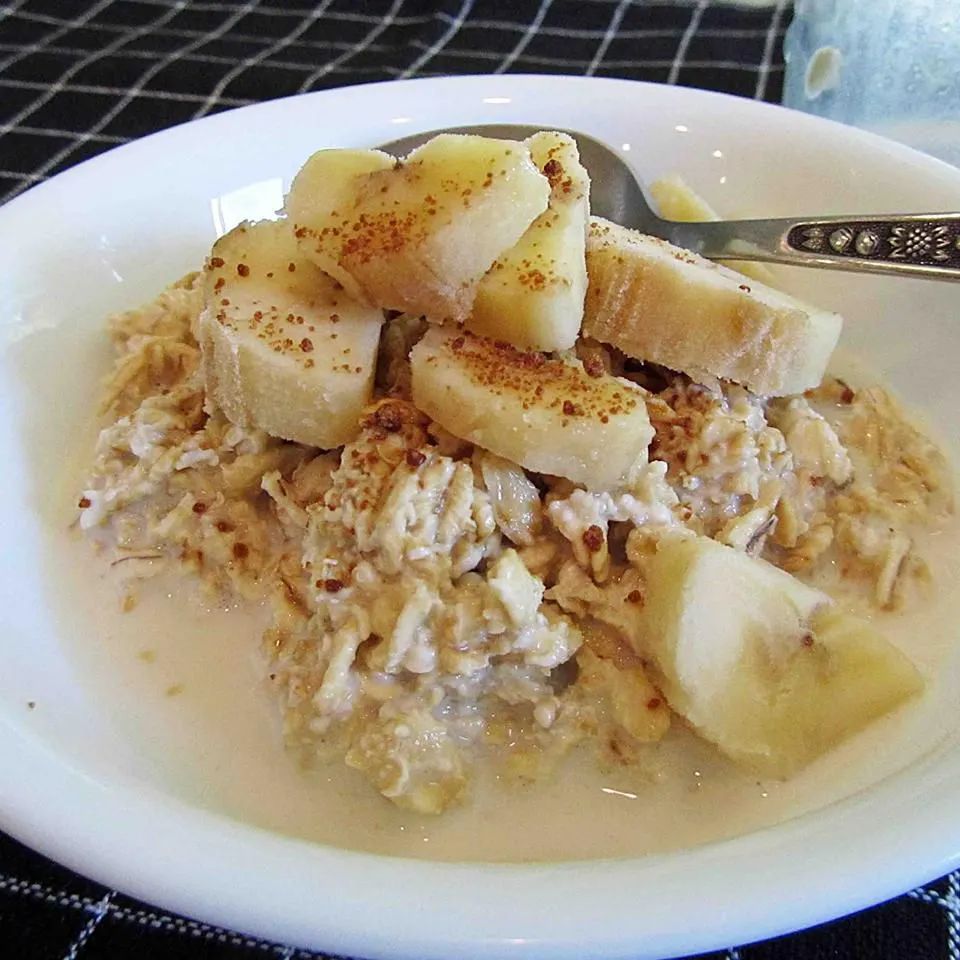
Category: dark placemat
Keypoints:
(78, 77)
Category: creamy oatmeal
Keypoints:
(436, 604)
(430, 596)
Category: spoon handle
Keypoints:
(916, 244)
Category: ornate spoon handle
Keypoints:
(918, 244)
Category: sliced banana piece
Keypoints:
(546, 414)
(325, 182)
(660, 303)
(417, 235)
(677, 200)
(533, 295)
(759, 663)
(285, 349)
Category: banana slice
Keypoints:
(546, 414)
(285, 349)
(417, 235)
(657, 302)
(533, 295)
(322, 184)
(677, 200)
(761, 664)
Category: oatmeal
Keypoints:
(436, 603)
(427, 599)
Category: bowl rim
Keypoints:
(878, 829)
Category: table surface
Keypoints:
(78, 77)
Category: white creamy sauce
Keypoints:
(186, 683)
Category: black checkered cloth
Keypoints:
(78, 77)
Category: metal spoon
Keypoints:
(908, 244)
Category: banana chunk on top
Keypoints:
(547, 414)
(759, 663)
(533, 295)
(418, 234)
(284, 348)
(657, 302)
(324, 183)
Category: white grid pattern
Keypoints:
(684, 44)
(181, 32)
(763, 74)
(953, 916)
(11, 8)
(63, 28)
(302, 27)
(529, 32)
(950, 904)
(267, 56)
(599, 60)
(54, 88)
(608, 35)
(87, 135)
(291, 11)
(96, 918)
(454, 39)
(511, 26)
(367, 43)
(118, 92)
(106, 907)
(122, 54)
(430, 51)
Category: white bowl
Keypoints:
(75, 783)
